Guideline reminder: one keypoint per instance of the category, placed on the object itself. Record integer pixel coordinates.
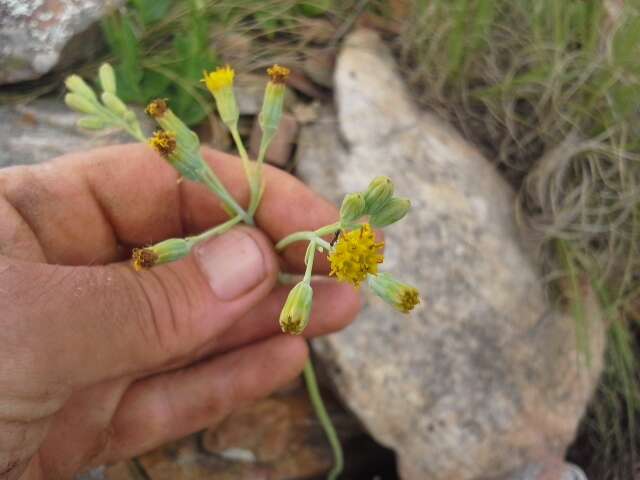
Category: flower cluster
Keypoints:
(354, 253)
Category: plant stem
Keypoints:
(253, 172)
(308, 260)
(213, 182)
(217, 230)
(310, 236)
(325, 420)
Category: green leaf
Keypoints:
(314, 8)
(154, 86)
(151, 11)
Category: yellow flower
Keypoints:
(400, 295)
(163, 142)
(278, 73)
(356, 255)
(220, 79)
(220, 84)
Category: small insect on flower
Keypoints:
(356, 254)
(157, 108)
(163, 142)
(143, 258)
(219, 79)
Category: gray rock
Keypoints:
(45, 129)
(484, 378)
(33, 33)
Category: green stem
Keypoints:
(253, 172)
(308, 260)
(215, 231)
(325, 420)
(310, 236)
(211, 180)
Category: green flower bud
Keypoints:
(393, 211)
(91, 123)
(272, 104)
(352, 207)
(107, 78)
(378, 194)
(163, 252)
(77, 85)
(295, 313)
(401, 296)
(79, 103)
(113, 103)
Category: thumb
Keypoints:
(94, 323)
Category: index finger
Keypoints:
(83, 207)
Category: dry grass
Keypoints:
(550, 91)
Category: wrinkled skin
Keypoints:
(99, 363)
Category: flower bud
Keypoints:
(220, 84)
(77, 85)
(378, 194)
(295, 313)
(393, 211)
(164, 252)
(79, 103)
(352, 207)
(91, 123)
(107, 78)
(272, 104)
(401, 296)
(113, 103)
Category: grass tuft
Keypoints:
(550, 91)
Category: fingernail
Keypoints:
(233, 264)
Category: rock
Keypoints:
(278, 438)
(45, 129)
(279, 152)
(33, 34)
(319, 64)
(484, 378)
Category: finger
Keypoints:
(335, 305)
(81, 325)
(83, 207)
(172, 405)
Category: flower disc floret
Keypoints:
(163, 142)
(220, 79)
(143, 258)
(157, 108)
(278, 73)
(356, 254)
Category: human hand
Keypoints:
(99, 363)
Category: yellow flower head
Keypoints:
(356, 255)
(157, 108)
(143, 258)
(220, 79)
(278, 74)
(163, 142)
